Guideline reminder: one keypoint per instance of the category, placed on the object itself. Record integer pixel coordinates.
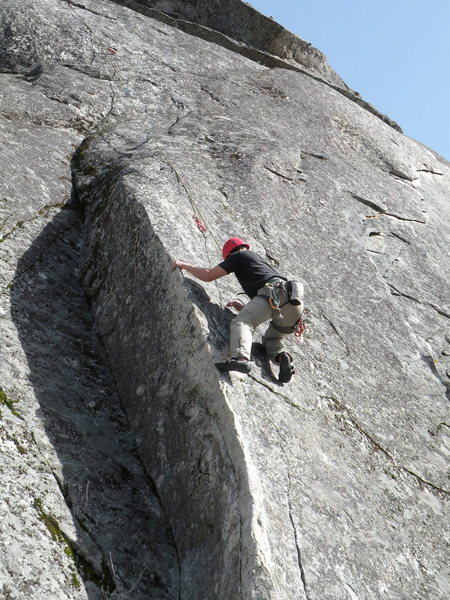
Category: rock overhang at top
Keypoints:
(241, 28)
(240, 21)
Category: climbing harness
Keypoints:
(298, 329)
(271, 291)
(273, 303)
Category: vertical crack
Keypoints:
(111, 107)
(297, 540)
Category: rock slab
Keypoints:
(332, 486)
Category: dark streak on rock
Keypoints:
(399, 218)
(319, 156)
(432, 171)
(382, 211)
(368, 203)
(177, 120)
(90, 71)
(397, 292)
(20, 224)
(401, 175)
(277, 173)
(438, 428)
(401, 238)
(285, 398)
(76, 5)
(272, 258)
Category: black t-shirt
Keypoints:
(250, 269)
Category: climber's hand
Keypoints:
(176, 264)
(235, 304)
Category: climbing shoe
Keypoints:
(242, 366)
(286, 367)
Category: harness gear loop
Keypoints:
(272, 295)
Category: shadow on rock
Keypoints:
(123, 542)
(218, 318)
(261, 359)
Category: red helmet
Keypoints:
(231, 244)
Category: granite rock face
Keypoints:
(242, 23)
(131, 468)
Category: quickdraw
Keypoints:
(199, 224)
(112, 51)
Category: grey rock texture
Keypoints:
(240, 28)
(242, 23)
(131, 468)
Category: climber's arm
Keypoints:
(235, 304)
(199, 272)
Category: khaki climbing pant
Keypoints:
(258, 311)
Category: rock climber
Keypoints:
(272, 297)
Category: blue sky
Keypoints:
(395, 53)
